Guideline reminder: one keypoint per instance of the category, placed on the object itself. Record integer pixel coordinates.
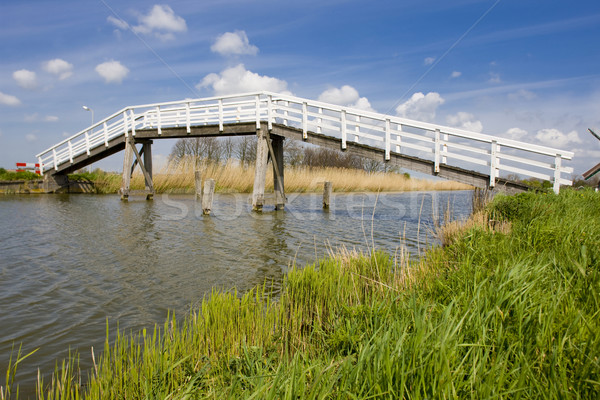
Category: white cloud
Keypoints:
(495, 78)
(238, 79)
(50, 118)
(522, 94)
(421, 107)
(455, 74)
(464, 120)
(25, 78)
(9, 100)
(58, 67)
(162, 22)
(428, 61)
(119, 23)
(516, 133)
(112, 71)
(346, 96)
(555, 138)
(233, 43)
(30, 137)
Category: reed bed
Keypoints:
(493, 314)
(231, 177)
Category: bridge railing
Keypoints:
(493, 155)
(490, 154)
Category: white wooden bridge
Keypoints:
(470, 157)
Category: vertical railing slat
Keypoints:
(188, 124)
(270, 112)
(343, 128)
(158, 121)
(132, 116)
(257, 111)
(105, 134)
(220, 115)
(304, 120)
(388, 135)
(436, 150)
(87, 143)
(493, 161)
(557, 168)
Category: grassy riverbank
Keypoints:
(507, 309)
(179, 178)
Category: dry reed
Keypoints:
(231, 177)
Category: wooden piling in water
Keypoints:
(327, 189)
(198, 183)
(260, 172)
(207, 196)
(276, 151)
(127, 162)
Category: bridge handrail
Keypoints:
(336, 120)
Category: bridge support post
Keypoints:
(276, 152)
(129, 166)
(147, 150)
(260, 171)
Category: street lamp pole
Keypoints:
(86, 108)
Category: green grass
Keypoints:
(17, 176)
(492, 315)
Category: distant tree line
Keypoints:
(243, 150)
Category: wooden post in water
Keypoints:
(327, 189)
(127, 161)
(198, 183)
(147, 150)
(260, 172)
(207, 196)
(276, 151)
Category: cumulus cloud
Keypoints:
(464, 120)
(112, 71)
(9, 100)
(428, 60)
(58, 67)
(25, 78)
(238, 79)
(233, 43)
(516, 133)
(162, 22)
(30, 137)
(119, 23)
(455, 74)
(420, 106)
(346, 96)
(555, 138)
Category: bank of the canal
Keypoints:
(492, 314)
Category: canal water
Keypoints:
(71, 263)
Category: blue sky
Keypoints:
(528, 70)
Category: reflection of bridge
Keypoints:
(417, 146)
